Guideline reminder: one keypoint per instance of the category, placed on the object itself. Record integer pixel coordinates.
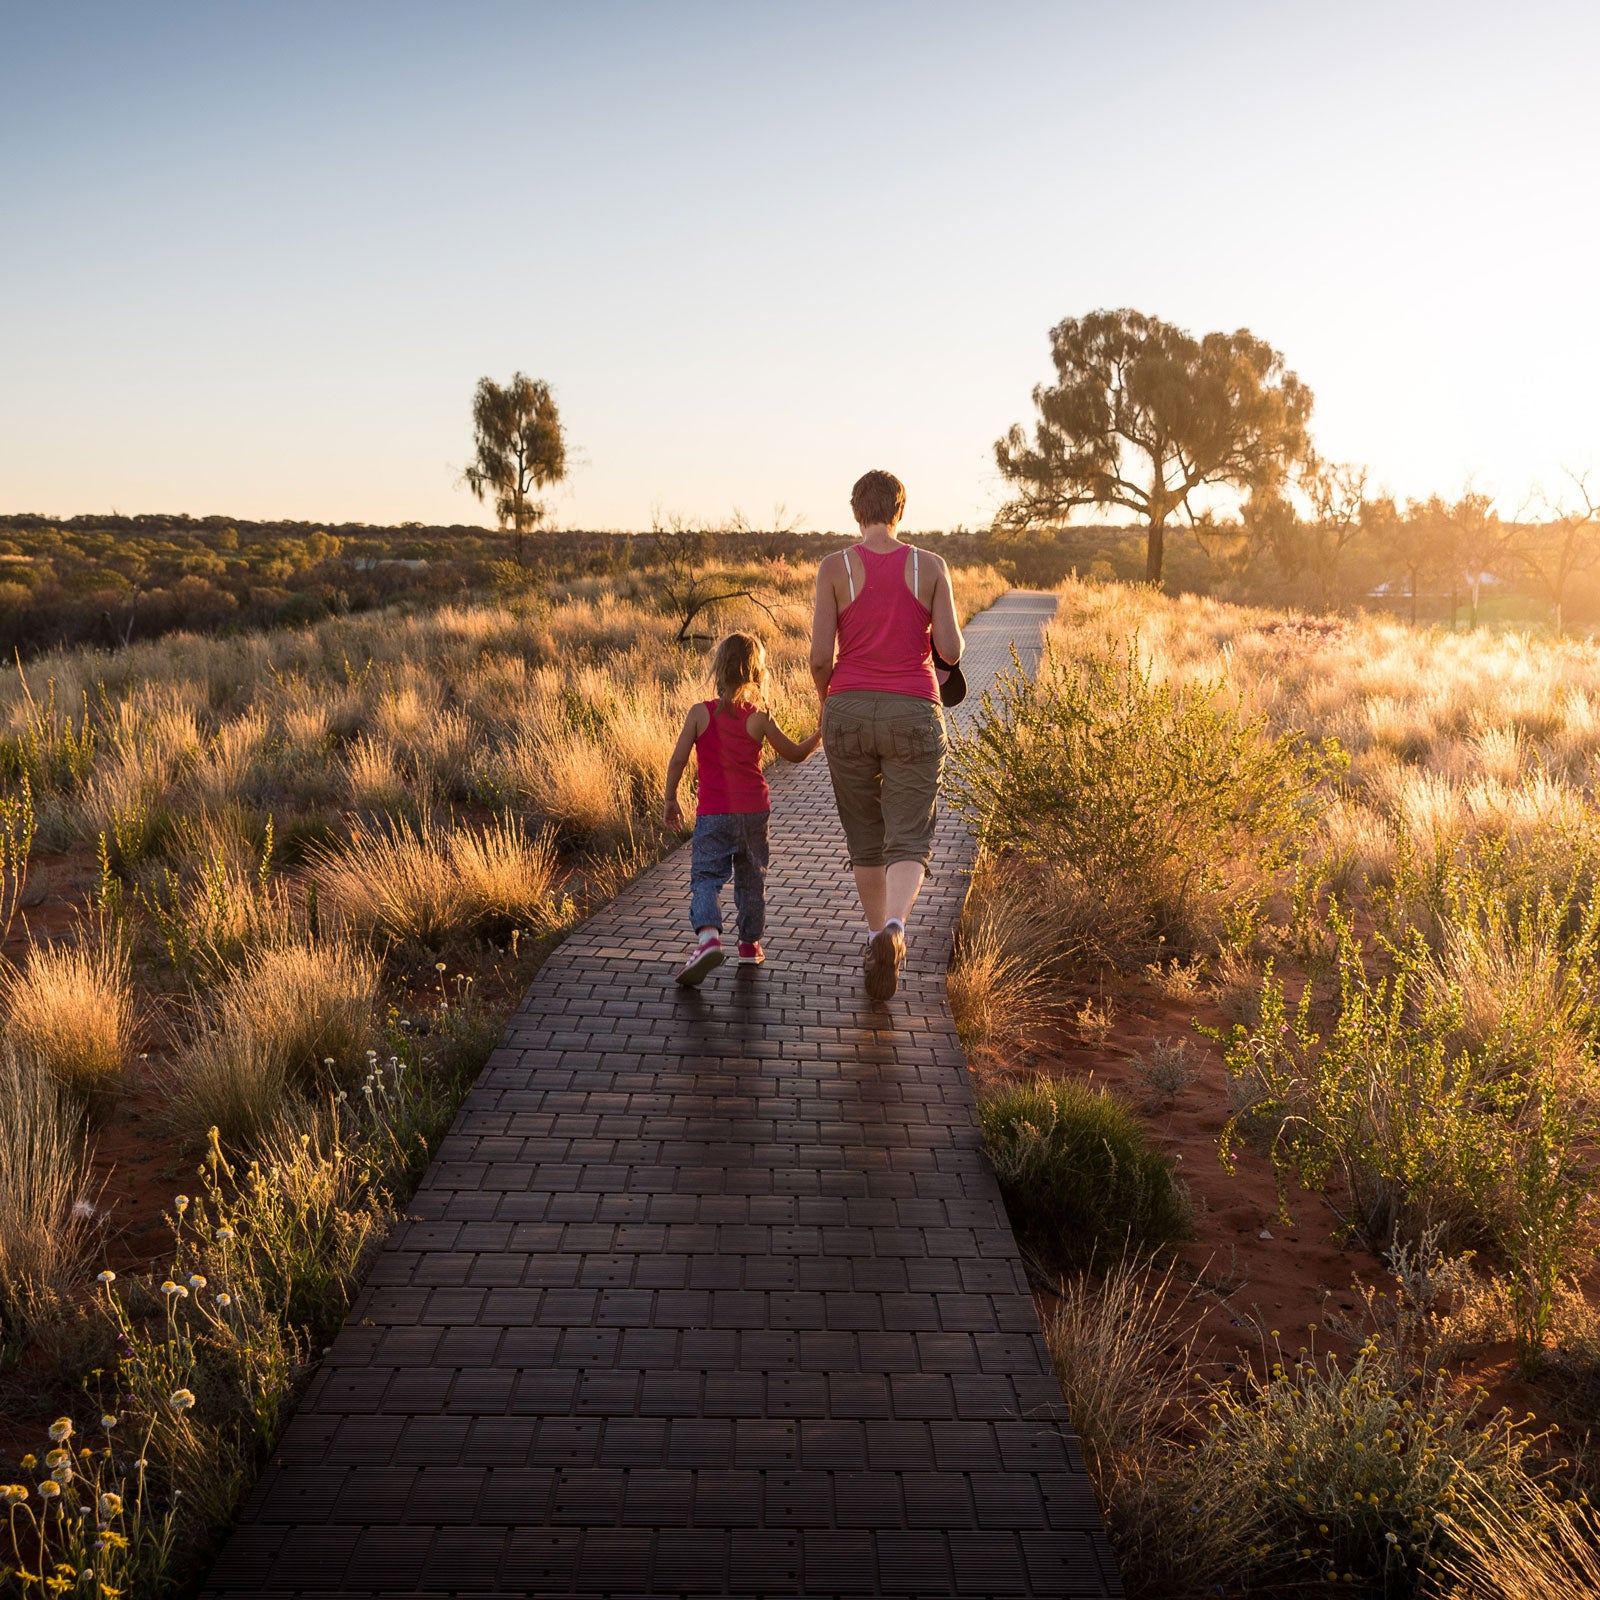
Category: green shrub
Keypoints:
(1080, 1181)
(1377, 1473)
(1164, 800)
(1340, 1473)
(1480, 1143)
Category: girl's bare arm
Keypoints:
(762, 726)
(693, 727)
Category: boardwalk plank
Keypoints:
(706, 1293)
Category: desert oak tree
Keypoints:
(1143, 414)
(519, 447)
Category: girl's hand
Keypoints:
(807, 746)
(672, 814)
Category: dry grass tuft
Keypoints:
(1497, 1560)
(274, 1028)
(44, 1165)
(424, 885)
(508, 879)
(1119, 1357)
(1003, 980)
(71, 1011)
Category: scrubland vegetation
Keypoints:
(116, 580)
(272, 896)
(1371, 854)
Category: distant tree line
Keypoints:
(108, 580)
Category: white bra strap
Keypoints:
(849, 573)
(916, 574)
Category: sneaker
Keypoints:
(703, 958)
(885, 952)
(751, 955)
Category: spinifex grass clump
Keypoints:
(44, 1169)
(294, 1019)
(1005, 970)
(1080, 1181)
(70, 1010)
(425, 886)
(1165, 802)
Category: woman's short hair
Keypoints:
(740, 668)
(878, 497)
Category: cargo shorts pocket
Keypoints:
(911, 741)
(843, 736)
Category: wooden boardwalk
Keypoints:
(707, 1293)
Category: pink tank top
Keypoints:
(885, 641)
(730, 765)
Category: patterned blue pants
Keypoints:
(730, 844)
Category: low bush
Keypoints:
(70, 1009)
(1370, 1474)
(1344, 1471)
(1080, 1180)
(1424, 1134)
(1164, 800)
(1166, 1068)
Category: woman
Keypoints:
(882, 603)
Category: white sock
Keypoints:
(895, 922)
(702, 934)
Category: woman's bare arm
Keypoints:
(947, 639)
(824, 626)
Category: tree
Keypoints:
(520, 447)
(1336, 493)
(689, 579)
(1143, 414)
(1556, 551)
(1423, 539)
(1479, 540)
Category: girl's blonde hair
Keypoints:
(740, 669)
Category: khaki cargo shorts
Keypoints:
(885, 752)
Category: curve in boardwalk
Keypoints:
(707, 1293)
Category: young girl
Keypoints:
(730, 830)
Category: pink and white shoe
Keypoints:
(705, 957)
(751, 955)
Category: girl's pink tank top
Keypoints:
(730, 764)
(885, 640)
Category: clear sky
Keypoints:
(253, 258)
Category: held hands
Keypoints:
(809, 745)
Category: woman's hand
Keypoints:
(672, 814)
